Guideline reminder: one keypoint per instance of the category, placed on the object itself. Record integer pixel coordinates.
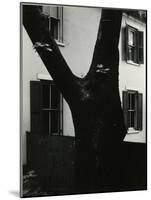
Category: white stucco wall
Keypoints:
(80, 31)
(80, 26)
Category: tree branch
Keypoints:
(106, 47)
(35, 23)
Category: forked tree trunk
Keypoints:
(94, 100)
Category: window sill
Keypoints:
(132, 63)
(132, 131)
(61, 44)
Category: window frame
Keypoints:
(59, 19)
(132, 109)
(42, 109)
(132, 46)
(138, 46)
(50, 109)
(138, 107)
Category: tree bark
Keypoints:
(94, 100)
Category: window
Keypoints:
(46, 108)
(55, 21)
(134, 46)
(132, 108)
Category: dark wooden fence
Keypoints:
(53, 157)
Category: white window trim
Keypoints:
(58, 41)
(43, 76)
(61, 44)
(132, 131)
(132, 63)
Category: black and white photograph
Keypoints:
(83, 88)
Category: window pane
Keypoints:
(131, 109)
(54, 28)
(131, 38)
(132, 54)
(54, 11)
(54, 122)
(132, 119)
(131, 115)
(45, 96)
(55, 97)
(46, 10)
(132, 101)
(45, 122)
(129, 101)
(129, 119)
(50, 11)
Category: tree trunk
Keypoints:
(94, 100)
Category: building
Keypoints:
(75, 31)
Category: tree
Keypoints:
(94, 99)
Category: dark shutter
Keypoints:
(141, 47)
(35, 106)
(123, 44)
(126, 43)
(125, 108)
(139, 111)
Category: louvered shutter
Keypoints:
(139, 111)
(141, 47)
(35, 106)
(126, 44)
(125, 108)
